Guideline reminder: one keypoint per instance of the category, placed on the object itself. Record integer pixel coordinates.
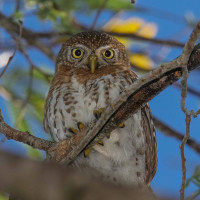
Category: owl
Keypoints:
(92, 71)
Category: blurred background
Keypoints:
(153, 32)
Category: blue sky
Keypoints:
(166, 106)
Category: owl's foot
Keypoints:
(107, 135)
(122, 125)
(73, 130)
(80, 126)
(98, 113)
(87, 152)
(100, 142)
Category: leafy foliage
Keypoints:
(195, 179)
(3, 197)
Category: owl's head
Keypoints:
(92, 51)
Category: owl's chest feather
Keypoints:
(75, 102)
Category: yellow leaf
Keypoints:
(148, 30)
(123, 40)
(131, 25)
(142, 61)
(3, 196)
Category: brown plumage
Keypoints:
(93, 70)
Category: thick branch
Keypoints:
(31, 180)
(24, 137)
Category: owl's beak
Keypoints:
(92, 63)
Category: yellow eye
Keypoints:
(77, 53)
(108, 54)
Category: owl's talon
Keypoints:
(80, 125)
(122, 125)
(108, 135)
(101, 110)
(73, 130)
(98, 113)
(100, 142)
(87, 152)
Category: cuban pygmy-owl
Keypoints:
(93, 70)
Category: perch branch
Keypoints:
(47, 181)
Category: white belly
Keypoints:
(122, 158)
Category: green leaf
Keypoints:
(34, 153)
(3, 196)
(15, 111)
(115, 5)
(195, 179)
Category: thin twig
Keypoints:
(184, 95)
(16, 48)
(171, 43)
(25, 104)
(31, 38)
(182, 148)
(189, 89)
(137, 37)
(194, 36)
(98, 14)
(45, 74)
(168, 131)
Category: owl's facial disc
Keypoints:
(81, 56)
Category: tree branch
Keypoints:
(189, 89)
(31, 38)
(172, 133)
(171, 43)
(98, 14)
(157, 41)
(31, 180)
(24, 137)
(16, 48)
